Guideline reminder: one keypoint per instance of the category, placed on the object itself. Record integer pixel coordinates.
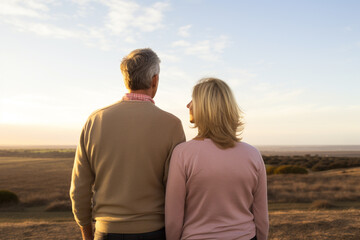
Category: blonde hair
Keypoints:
(139, 67)
(216, 113)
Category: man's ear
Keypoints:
(155, 81)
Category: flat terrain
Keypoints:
(284, 225)
(37, 181)
(42, 184)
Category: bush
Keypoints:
(289, 169)
(270, 170)
(320, 167)
(7, 197)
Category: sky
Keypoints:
(293, 66)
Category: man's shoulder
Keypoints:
(143, 106)
(106, 108)
(167, 115)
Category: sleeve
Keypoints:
(178, 137)
(260, 205)
(81, 185)
(175, 197)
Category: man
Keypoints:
(121, 163)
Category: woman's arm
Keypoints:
(175, 197)
(260, 205)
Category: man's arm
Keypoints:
(81, 189)
(87, 232)
(178, 137)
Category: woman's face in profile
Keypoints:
(190, 107)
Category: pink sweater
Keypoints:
(216, 194)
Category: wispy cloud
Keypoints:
(168, 57)
(31, 8)
(209, 50)
(124, 15)
(184, 31)
(127, 19)
(44, 29)
(239, 77)
(348, 29)
(181, 43)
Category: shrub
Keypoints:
(322, 204)
(7, 197)
(288, 169)
(270, 170)
(320, 167)
(338, 164)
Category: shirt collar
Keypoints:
(137, 97)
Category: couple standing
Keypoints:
(131, 153)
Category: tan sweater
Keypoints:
(121, 166)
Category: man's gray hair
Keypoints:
(139, 67)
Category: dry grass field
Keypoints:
(284, 225)
(42, 184)
(333, 185)
(37, 181)
(324, 224)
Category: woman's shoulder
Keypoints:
(187, 145)
(193, 146)
(247, 146)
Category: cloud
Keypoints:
(91, 36)
(348, 29)
(181, 43)
(220, 44)
(166, 57)
(238, 77)
(127, 17)
(122, 18)
(44, 29)
(184, 31)
(266, 100)
(30, 8)
(209, 50)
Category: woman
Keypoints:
(216, 187)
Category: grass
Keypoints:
(284, 225)
(323, 204)
(35, 214)
(42, 183)
(313, 162)
(324, 225)
(38, 153)
(29, 230)
(36, 181)
(59, 206)
(334, 185)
